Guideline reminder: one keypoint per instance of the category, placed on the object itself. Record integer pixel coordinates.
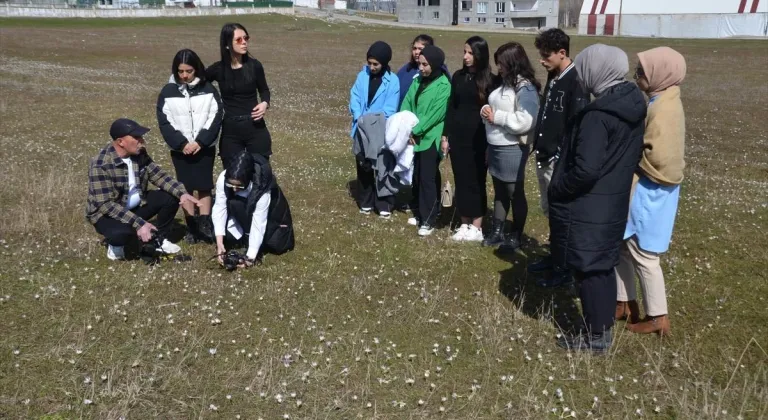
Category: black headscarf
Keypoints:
(381, 52)
(436, 58)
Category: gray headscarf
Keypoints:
(601, 66)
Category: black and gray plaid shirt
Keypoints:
(108, 185)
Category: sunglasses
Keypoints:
(242, 39)
(234, 187)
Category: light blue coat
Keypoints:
(386, 99)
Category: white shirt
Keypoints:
(222, 223)
(134, 198)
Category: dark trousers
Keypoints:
(513, 193)
(426, 185)
(243, 134)
(366, 191)
(158, 203)
(597, 290)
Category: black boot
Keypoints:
(205, 229)
(512, 243)
(191, 236)
(496, 236)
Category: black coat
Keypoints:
(590, 189)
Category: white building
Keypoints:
(675, 18)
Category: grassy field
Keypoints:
(364, 319)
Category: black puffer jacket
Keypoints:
(590, 189)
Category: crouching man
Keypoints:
(119, 201)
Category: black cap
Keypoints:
(124, 127)
(381, 51)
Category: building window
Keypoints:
(501, 7)
(482, 8)
(420, 3)
(434, 2)
(481, 20)
(467, 19)
(420, 15)
(499, 20)
(466, 6)
(436, 15)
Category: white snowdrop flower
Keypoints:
(299, 403)
(103, 378)
(539, 356)
(368, 405)
(545, 392)
(160, 356)
(89, 327)
(657, 409)
(444, 399)
(559, 393)
(432, 386)
(176, 350)
(229, 397)
(279, 398)
(411, 356)
(367, 350)
(247, 389)
(262, 394)
(237, 416)
(639, 412)
(212, 351)
(426, 374)
(442, 409)
(553, 410)
(87, 380)
(87, 401)
(409, 381)
(78, 351)
(421, 402)
(354, 398)
(550, 378)
(286, 416)
(375, 340)
(293, 395)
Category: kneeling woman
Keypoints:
(428, 99)
(243, 195)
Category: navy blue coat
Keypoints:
(590, 189)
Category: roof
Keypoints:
(672, 7)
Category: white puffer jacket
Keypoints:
(189, 113)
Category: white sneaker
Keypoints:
(115, 253)
(473, 234)
(385, 215)
(413, 221)
(169, 247)
(425, 230)
(365, 210)
(461, 233)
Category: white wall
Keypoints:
(685, 26)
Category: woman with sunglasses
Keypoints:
(245, 94)
(243, 196)
(189, 115)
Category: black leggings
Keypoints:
(506, 193)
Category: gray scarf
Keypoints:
(601, 67)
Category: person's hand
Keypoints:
(145, 232)
(259, 111)
(193, 148)
(411, 140)
(444, 145)
(220, 250)
(186, 198)
(487, 113)
(246, 263)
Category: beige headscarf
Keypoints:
(663, 68)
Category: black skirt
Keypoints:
(469, 175)
(195, 171)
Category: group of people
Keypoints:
(609, 162)
(249, 209)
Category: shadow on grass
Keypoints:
(557, 305)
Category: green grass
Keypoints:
(363, 319)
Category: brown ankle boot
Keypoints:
(651, 324)
(627, 311)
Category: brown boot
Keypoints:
(651, 324)
(627, 311)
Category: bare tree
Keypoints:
(569, 12)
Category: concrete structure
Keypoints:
(65, 12)
(387, 6)
(675, 19)
(521, 14)
(321, 4)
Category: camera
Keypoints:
(231, 259)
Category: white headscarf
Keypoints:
(601, 67)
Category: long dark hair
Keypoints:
(511, 57)
(188, 57)
(481, 65)
(424, 39)
(241, 168)
(227, 55)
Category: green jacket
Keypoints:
(433, 103)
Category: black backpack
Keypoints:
(278, 238)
